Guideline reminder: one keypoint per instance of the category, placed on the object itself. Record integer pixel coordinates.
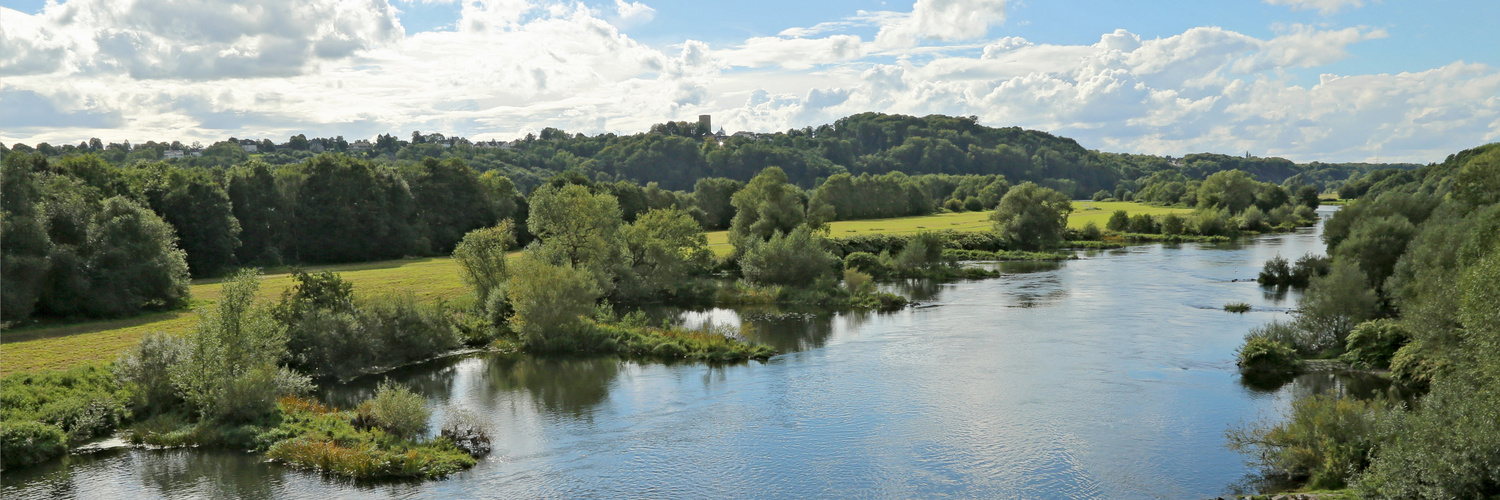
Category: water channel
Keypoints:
(1110, 376)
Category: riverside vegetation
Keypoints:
(1410, 288)
(87, 238)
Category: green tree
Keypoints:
(1032, 217)
(351, 210)
(481, 258)
(450, 201)
(664, 247)
(1232, 189)
(1334, 304)
(229, 366)
(24, 244)
(578, 228)
(767, 205)
(797, 259)
(1119, 221)
(262, 212)
(1375, 244)
(551, 302)
(198, 208)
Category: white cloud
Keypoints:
(633, 13)
(133, 70)
(942, 20)
(1325, 7)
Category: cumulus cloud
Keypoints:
(942, 20)
(1326, 7)
(136, 70)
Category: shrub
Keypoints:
(550, 302)
(1237, 307)
(233, 340)
(1212, 222)
(1032, 217)
(973, 204)
(1261, 353)
(1090, 232)
(922, 250)
(1373, 343)
(481, 258)
(1172, 224)
(1334, 304)
(398, 410)
(865, 262)
(1309, 266)
(796, 259)
(82, 402)
(1323, 439)
(1253, 219)
(1100, 195)
(24, 443)
(1118, 222)
(857, 282)
(1448, 447)
(953, 205)
(1143, 224)
(147, 368)
(1276, 272)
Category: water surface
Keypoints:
(1111, 376)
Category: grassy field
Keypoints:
(62, 346)
(51, 347)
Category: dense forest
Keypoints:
(1410, 286)
(99, 230)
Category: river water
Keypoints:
(1111, 376)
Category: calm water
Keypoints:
(1111, 376)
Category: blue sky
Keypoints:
(1332, 80)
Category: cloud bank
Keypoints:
(140, 71)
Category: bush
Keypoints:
(24, 443)
(82, 402)
(1143, 224)
(1323, 439)
(1448, 447)
(973, 204)
(1118, 222)
(398, 410)
(1253, 219)
(550, 303)
(1373, 343)
(1262, 354)
(147, 369)
(1090, 232)
(1334, 304)
(1100, 195)
(858, 282)
(1172, 224)
(922, 250)
(481, 258)
(1237, 307)
(1308, 266)
(953, 205)
(865, 262)
(1276, 272)
(796, 260)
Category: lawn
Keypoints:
(52, 347)
(63, 346)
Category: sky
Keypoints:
(1308, 80)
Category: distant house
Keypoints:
(196, 152)
(172, 154)
(315, 146)
(361, 145)
(747, 135)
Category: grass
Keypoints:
(1237, 307)
(1084, 212)
(59, 347)
(62, 346)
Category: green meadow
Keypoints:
(62, 346)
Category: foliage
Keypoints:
(865, 262)
(713, 196)
(631, 337)
(663, 247)
(1237, 307)
(1264, 353)
(81, 402)
(1449, 447)
(1119, 221)
(769, 204)
(24, 443)
(1373, 343)
(481, 258)
(578, 228)
(331, 332)
(1232, 190)
(1032, 217)
(324, 440)
(229, 363)
(1324, 439)
(398, 410)
(1334, 304)
(550, 302)
(147, 369)
(797, 259)
(1276, 272)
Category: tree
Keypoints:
(1232, 189)
(1119, 221)
(1032, 217)
(350, 210)
(1308, 196)
(1334, 304)
(664, 247)
(766, 205)
(450, 201)
(133, 262)
(797, 259)
(481, 258)
(550, 302)
(197, 206)
(1375, 244)
(24, 244)
(262, 211)
(578, 228)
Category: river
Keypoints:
(1110, 376)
